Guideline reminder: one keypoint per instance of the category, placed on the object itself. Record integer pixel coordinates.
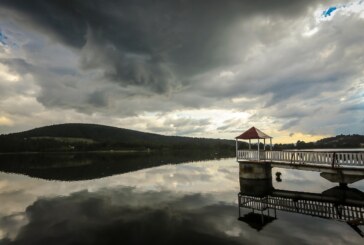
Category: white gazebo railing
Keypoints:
(303, 157)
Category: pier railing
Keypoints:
(304, 157)
(323, 209)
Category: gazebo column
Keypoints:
(264, 144)
(271, 147)
(236, 147)
(249, 145)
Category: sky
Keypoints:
(293, 69)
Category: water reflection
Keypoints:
(191, 203)
(124, 216)
(85, 166)
(257, 193)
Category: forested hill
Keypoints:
(74, 137)
(92, 137)
(339, 141)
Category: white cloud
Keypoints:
(292, 73)
(7, 76)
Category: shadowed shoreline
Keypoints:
(85, 166)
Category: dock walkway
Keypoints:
(335, 159)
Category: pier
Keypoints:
(257, 193)
(326, 159)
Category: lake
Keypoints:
(195, 202)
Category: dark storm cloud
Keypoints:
(19, 65)
(98, 99)
(59, 86)
(11, 222)
(158, 45)
(106, 61)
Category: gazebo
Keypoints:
(253, 133)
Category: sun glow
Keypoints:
(7, 76)
(286, 138)
(6, 121)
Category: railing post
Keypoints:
(333, 160)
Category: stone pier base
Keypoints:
(255, 179)
(255, 171)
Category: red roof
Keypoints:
(253, 133)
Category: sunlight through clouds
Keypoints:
(284, 67)
(6, 121)
(7, 76)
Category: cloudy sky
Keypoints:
(212, 68)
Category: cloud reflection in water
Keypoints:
(193, 203)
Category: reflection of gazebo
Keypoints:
(260, 215)
(257, 221)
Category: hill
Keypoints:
(339, 141)
(342, 141)
(78, 137)
(91, 137)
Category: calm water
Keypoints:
(193, 202)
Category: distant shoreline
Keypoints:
(64, 152)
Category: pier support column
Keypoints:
(255, 179)
(255, 171)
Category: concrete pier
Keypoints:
(255, 179)
(255, 171)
